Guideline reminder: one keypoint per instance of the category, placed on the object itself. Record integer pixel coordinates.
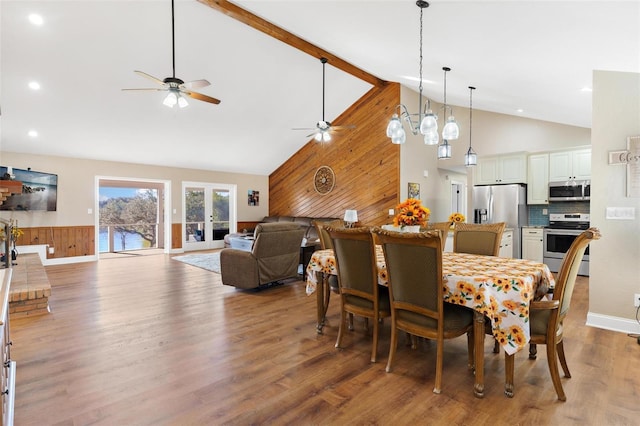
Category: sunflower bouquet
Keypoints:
(456, 218)
(411, 212)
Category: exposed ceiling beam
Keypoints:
(248, 18)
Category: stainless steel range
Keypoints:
(558, 237)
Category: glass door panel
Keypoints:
(209, 215)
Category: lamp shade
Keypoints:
(444, 150)
(351, 216)
(393, 126)
(451, 131)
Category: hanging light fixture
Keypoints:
(470, 158)
(427, 123)
(451, 131)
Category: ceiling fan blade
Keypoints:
(196, 84)
(303, 128)
(345, 127)
(150, 77)
(201, 97)
(148, 88)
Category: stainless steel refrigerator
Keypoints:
(502, 203)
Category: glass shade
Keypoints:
(182, 102)
(444, 150)
(322, 137)
(431, 137)
(171, 99)
(393, 126)
(399, 137)
(450, 130)
(470, 158)
(429, 123)
(351, 216)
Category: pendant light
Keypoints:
(427, 123)
(470, 158)
(451, 131)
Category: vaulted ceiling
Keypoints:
(533, 56)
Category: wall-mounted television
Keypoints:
(39, 190)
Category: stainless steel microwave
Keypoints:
(572, 190)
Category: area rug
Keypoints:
(208, 261)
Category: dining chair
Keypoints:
(475, 238)
(546, 316)
(443, 227)
(360, 293)
(414, 271)
(482, 239)
(325, 243)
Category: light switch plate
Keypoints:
(621, 213)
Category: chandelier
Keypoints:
(426, 123)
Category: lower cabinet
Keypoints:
(532, 245)
(8, 368)
(506, 245)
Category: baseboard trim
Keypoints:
(607, 322)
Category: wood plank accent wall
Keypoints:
(366, 165)
(68, 241)
(176, 235)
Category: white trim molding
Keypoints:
(607, 322)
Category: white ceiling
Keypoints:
(533, 55)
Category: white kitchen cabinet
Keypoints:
(506, 244)
(502, 169)
(570, 165)
(532, 244)
(538, 179)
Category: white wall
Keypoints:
(76, 187)
(493, 134)
(614, 260)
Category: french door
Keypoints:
(209, 213)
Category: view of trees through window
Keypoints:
(195, 213)
(128, 218)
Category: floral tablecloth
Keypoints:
(500, 288)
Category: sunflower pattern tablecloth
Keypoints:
(500, 288)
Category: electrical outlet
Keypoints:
(52, 250)
(636, 300)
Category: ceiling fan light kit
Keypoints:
(426, 123)
(177, 88)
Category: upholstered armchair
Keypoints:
(274, 256)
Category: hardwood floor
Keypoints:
(146, 340)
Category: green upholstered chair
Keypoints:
(360, 293)
(546, 316)
(414, 270)
(478, 238)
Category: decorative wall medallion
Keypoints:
(324, 180)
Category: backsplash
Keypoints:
(536, 218)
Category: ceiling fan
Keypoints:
(175, 86)
(322, 131)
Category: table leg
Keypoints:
(322, 299)
(478, 336)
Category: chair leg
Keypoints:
(496, 346)
(563, 360)
(374, 350)
(414, 341)
(439, 355)
(350, 321)
(392, 346)
(343, 318)
(552, 359)
(366, 324)
(509, 361)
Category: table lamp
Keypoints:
(350, 217)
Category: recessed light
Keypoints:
(520, 110)
(586, 89)
(36, 19)
(34, 85)
(33, 133)
(424, 80)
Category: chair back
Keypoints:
(321, 227)
(443, 227)
(569, 268)
(414, 271)
(355, 256)
(476, 238)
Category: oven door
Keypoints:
(558, 241)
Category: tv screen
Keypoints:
(39, 190)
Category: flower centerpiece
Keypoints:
(456, 218)
(411, 212)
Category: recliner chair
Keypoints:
(274, 256)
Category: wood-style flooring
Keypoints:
(146, 340)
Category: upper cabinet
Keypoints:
(538, 179)
(570, 165)
(502, 169)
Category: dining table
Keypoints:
(496, 288)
